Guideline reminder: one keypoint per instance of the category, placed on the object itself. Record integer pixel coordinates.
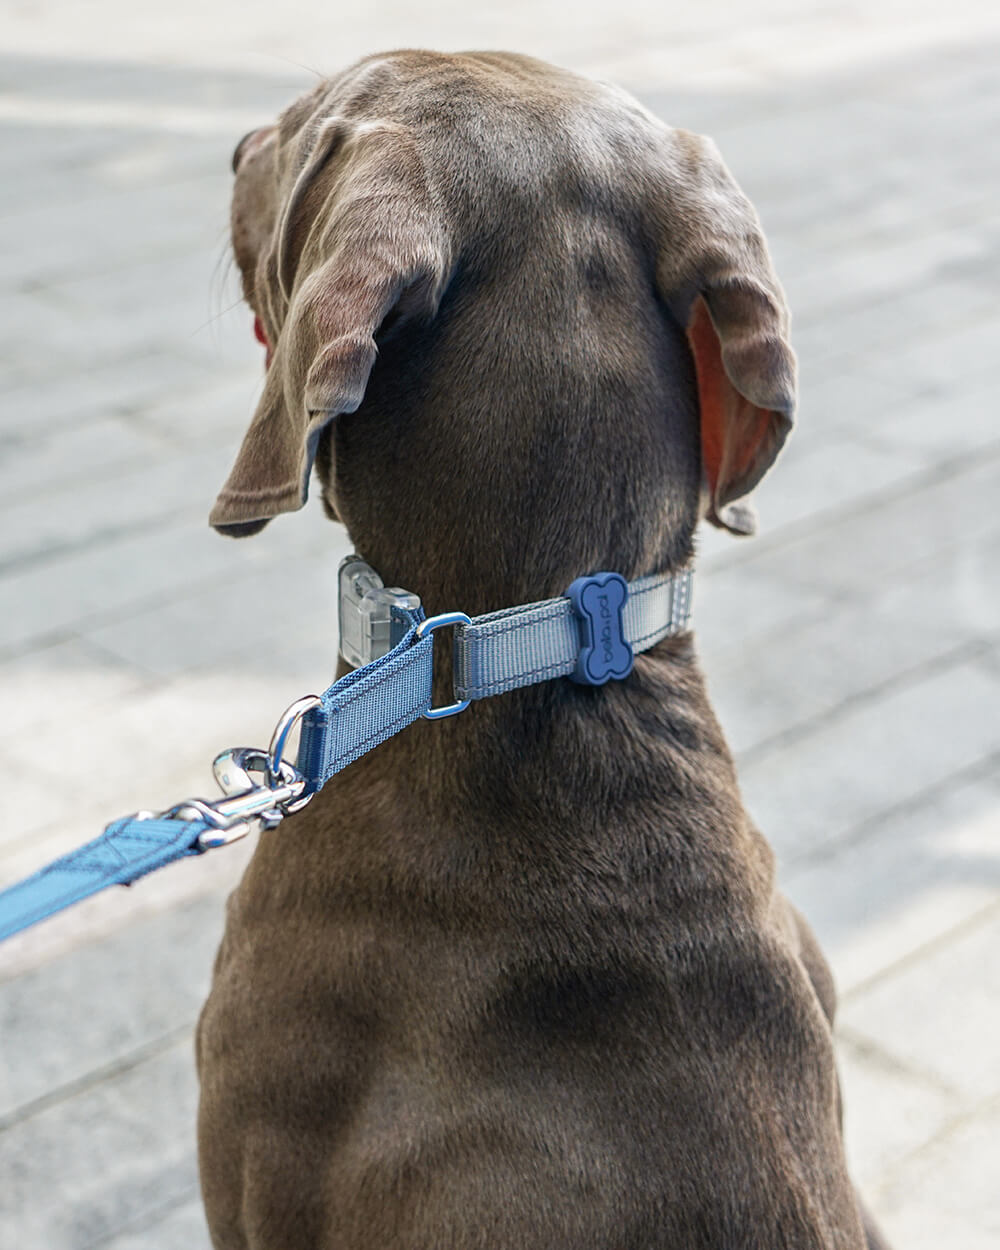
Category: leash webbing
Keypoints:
(126, 850)
(590, 634)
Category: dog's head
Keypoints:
(566, 230)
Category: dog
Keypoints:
(522, 977)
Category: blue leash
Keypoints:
(590, 635)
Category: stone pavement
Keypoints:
(853, 650)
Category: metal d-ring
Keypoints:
(428, 627)
(279, 739)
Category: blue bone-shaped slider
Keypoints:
(598, 602)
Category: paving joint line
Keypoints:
(871, 1049)
(971, 649)
(143, 1219)
(808, 527)
(984, 768)
(968, 924)
(96, 1076)
(951, 1126)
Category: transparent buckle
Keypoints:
(369, 628)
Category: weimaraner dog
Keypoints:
(520, 978)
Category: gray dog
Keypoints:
(520, 978)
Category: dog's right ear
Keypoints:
(358, 237)
(715, 274)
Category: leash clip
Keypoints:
(259, 788)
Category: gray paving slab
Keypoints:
(180, 1227)
(159, 972)
(734, 610)
(851, 278)
(85, 677)
(158, 489)
(135, 326)
(840, 397)
(207, 411)
(74, 246)
(926, 522)
(811, 793)
(945, 1031)
(832, 474)
(851, 650)
(923, 427)
(57, 459)
(242, 624)
(804, 669)
(34, 407)
(889, 1113)
(46, 598)
(78, 1172)
(967, 353)
(914, 879)
(946, 1194)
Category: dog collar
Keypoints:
(590, 634)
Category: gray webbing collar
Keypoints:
(520, 646)
(590, 634)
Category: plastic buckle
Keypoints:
(371, 620)
(598, 602)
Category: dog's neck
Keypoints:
(477, 510)
(547, 773)
(559, 743)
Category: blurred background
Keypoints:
(852, 649)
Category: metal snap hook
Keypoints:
(234, 768)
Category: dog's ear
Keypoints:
(715, 274)
(358, 237)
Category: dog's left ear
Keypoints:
(358, 238)
(715, 274)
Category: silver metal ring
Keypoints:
(279, 739)
(428, 627)
(275, 752)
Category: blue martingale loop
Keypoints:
(598, 602)
(368, 706)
